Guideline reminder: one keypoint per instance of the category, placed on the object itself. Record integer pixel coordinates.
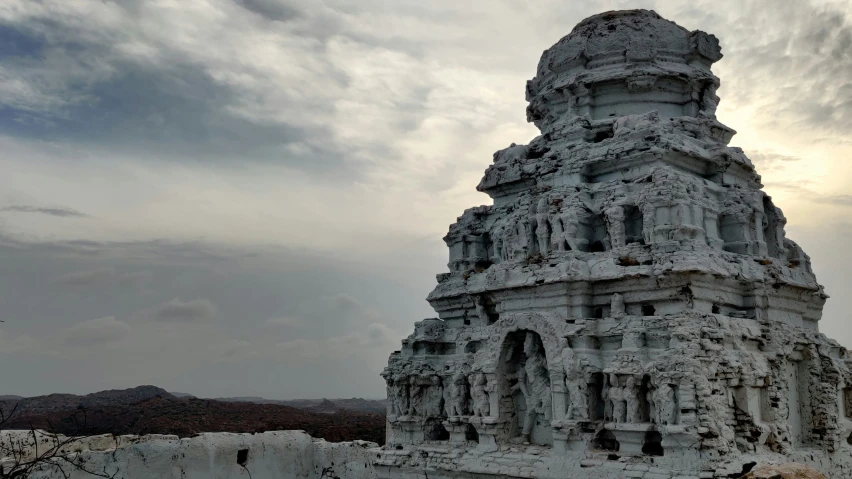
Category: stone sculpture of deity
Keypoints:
(631, 399)
(415, 405)
(542, 227)
(616, 398)
(665, 403)
(399, 396)
(571, 230)
(433, 397)
(652, 410)
(455, 395)
(481, 312)
(479, 393)
(616, 306)
(534, 384)
(515, 240)
(578, 406)
(649, 212)
(615, 225)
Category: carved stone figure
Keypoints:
(616, 397)
(515, 243)
(479, 304)
(649, 214)
(631, 398)
(542, 228)
(456, 400)
(534, 384)
(498, 255)
(557, 233)
(479, 393)
(616, 306)
(664, 401)
(415, 406)
(392, 401)
(400, 395)
(447, 394)
(652, 409)
(433, 397)
(577, 401)
(571, 234)
(615, 225)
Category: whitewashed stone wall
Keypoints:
(270, 455)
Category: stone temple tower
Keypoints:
(629, 306)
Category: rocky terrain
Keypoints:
(151, 410)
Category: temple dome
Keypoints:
(618, 58)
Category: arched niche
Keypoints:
(526, 400)
(504, 355)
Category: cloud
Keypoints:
(234, 349)
(95, 332)
(88, 278)
(764, 159)
(283, 322)
(837, 200)
(186, 312)
(377, 337)
(58, 212)
(21, 343)
(102, 278)
(381, 334)
(791, 70)
(271, 9)
(345, 304)
(805, 192)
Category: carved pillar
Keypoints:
(630, 436)
(580, 300)
(760, 247)
(567, 437)
(457, 428)
(583, 100)
(493, 390)
(649, 218)
(844, 422)
(490, 429)
(411, 430)
(557, 388)
(711, 229)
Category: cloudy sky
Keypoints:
(247, 197)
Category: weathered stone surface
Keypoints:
(784, 471)
(270, 455)
(630, 305)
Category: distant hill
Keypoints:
(152, 410)
(187, 417)
(10, 397)
(64, 402)
(378, 406)
(181, 395)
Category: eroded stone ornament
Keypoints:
(630, 303)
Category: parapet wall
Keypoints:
(270, 455)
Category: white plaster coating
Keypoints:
(630, 305)
(270, 455)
